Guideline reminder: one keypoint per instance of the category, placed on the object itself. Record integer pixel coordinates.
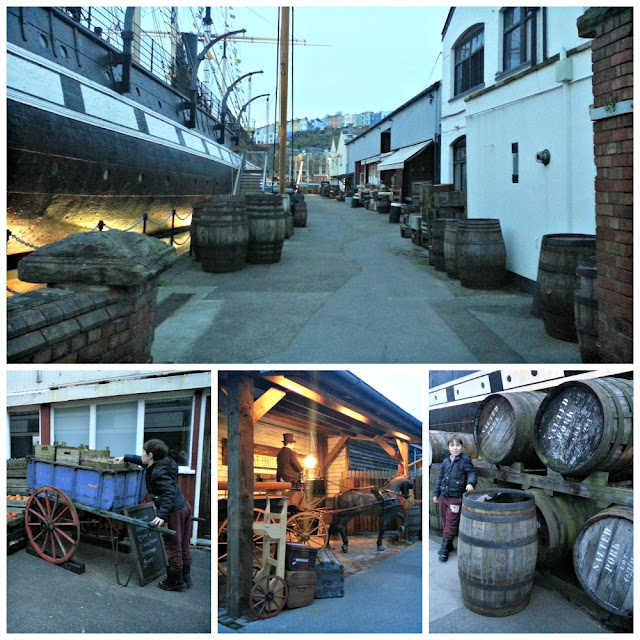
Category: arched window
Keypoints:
(459, 149)
(469, 60)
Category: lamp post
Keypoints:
(224, 110)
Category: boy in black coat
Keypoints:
(457, 475)
(172, 509)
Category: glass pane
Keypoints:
(170, 421)
(116, 426)
(508, 18)
(23, 427)
(71, 426)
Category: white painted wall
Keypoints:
(538, 113)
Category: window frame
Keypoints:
(458, 164)
(459, 88)
(527, 25)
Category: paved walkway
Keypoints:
(384, 598)
(547, 611)
(348, 289)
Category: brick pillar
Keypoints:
(119, 266)
(612, 115)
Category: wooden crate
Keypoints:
(17, 476)
(45, 452)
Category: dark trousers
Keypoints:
(450, 516)
(177, 547)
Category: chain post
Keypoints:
(100, 225)
(144, 223)
(173, 223)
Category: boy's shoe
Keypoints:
(173, 582)
(443, 554)
(450, 546)
(186, 576)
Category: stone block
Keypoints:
(111, 258)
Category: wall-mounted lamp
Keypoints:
(544, 157)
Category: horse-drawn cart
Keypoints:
(62, 495)
(312, 525)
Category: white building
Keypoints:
(516, 128)
(119, 410)
(338, 159)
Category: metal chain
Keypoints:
(182, 243)
(185, 218)
(24, 242)
(159, 224)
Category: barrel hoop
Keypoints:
(488, 544)
(499, 586)
(481, 517)
(568, 271)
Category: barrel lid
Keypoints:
(498, 499)
(570, 239)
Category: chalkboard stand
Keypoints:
(148, 546)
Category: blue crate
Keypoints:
(107, 489)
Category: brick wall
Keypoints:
(109, 325)
(612, 58)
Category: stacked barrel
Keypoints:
(578, 429)
(229, 231)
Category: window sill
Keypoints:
(468, 92)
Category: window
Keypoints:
(519, 38)
(71, 425)
(469, 60)
(385, 141)
(170, 420)
(24, 427)
(116, 426)
(460, 164)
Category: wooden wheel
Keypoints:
(52, 525)
(308, 527)
(258, 516)
(268, 597)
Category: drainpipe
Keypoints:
(566, 96)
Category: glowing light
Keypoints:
(397, 434)
(310, 462)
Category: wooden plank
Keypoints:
(240, 502)
(333, 454)
(267, 401)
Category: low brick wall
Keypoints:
(99, 325)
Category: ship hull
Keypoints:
(79, 153)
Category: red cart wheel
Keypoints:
(268, 597)
(52, 525)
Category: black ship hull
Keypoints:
(79, 152)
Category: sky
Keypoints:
(406, 386)
(368, 58)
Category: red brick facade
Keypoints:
(612, 58)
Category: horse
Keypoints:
(375, 501)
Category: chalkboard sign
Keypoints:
(151, 558)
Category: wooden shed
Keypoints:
(347, 426)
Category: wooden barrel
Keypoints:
(503, 427)
(384, 202)
(451, 247)
(435, 522)
(355, 201)
(267, 227)
(438, 449)
(587, 425)
(497, 549)
(222, 234)
(413, 521)
(560, 518)
(438, 226)
(557, 280)
(585, 308)
(603, 559)
(481, 253)
(300, 214)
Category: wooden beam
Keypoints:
(403, 462)
(267, 401)
(379, 440)
(333, 454)
(240, 494)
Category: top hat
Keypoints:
(287, 438)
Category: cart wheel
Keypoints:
(268, 597)
(258, 516)
(308, 528)
(52, 525)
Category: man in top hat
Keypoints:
(289, 467)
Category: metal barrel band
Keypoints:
(479, 517)
(504, 586)
(487, 544)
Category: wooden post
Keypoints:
(284, 86)
(403, 463)
(240, 503)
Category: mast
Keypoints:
(284, 82)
